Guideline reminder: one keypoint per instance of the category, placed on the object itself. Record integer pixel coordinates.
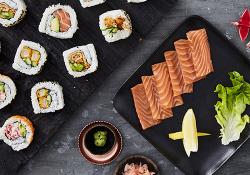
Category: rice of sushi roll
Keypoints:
(90, 3)
(47, 97)
(11, 12)
(17, 132)
(59, 21)
(136, 1)
(7, 91)
(30, 58)
(81, 60)
(115, 25)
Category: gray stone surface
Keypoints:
(61, 156)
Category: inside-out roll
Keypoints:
(11, 12)
(115, 25)
(47, 97)
(17, 132)
(30, 58)
(81, 60)
(59, 21)
(90, 3)
(7, 91)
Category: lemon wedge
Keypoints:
(189, 133)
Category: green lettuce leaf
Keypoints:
(231, 108)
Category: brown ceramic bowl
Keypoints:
(100, 155)
(137, 159)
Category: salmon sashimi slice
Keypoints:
(158, 112)
(164, 86)
(142, 107)
(175, 73)
(183, 51)
(200, 51)
(64, 19)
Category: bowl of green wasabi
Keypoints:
(100, 142)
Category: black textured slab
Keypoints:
(144, 17)
(212, 154)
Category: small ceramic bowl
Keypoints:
(100, 155)
(137, 159)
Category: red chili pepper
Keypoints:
(243, 24)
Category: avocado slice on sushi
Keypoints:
(2, 89)
(22, 131)
(6, 15)
(55, 25)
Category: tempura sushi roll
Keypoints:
(90, 3)
(136, 1)
(59, 21)
(7, 91)
(47, 97)
(115, 25)
(30, 58)
(17, 132)
(11, 12)
(80, 60)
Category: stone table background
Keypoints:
(60, 156)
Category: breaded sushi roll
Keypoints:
(90, 3)
(30, 58)
(7, 91)
(47, 97)
(115, 25)
(59, 21)
(11, 12)
(136, 1)
(17, 132)
(81, 60)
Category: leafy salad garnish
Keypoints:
(231, 108)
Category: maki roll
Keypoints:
(90, 3)
(137, 1)
(30, 58)
(115, 25)
(7, 91)
(17, 132)
(47, 97)
(59, 21)
(80, 60)
(11, 12)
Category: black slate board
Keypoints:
(212, 154)
(144, 17)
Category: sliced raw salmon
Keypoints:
(183, 51)
(200, 51)
(164, 86)
(174, 68)
(158, 112)
(64, 19)
(142, 107)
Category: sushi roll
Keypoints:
(136, 1)
(7, 91)
(30, 58)
(17, 132)
(90, 3)
(11, 12)
(47, 97)
(59, 21)
(80, 60)
(115, 25)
